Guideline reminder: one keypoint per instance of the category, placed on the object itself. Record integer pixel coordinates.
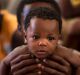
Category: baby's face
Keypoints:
(42, 36)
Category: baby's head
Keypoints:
(42, 29)
(42, 26)
(26, 5)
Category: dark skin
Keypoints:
(22, 62)
(42, 41)
(73, 37)
(20, 53)
(43, 45)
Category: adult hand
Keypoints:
(56, 65)
(23, 65)
(18, 58)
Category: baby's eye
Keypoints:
(50, 38)
(35, 37)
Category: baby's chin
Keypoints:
(42, 55)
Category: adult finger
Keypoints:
(22, 64)
(53, 71)
(25, 70)
(19, 58)
(60, 60)
(56, 65)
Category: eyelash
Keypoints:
(36, 37)
(50, 38)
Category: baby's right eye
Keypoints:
(35, 37)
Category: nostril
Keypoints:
(42, 43)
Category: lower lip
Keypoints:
(41, 54)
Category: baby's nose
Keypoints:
(43, 43)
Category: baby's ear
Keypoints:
(25, 41)
(23, 31)
(25, 36)
(22, 26)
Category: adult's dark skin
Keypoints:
(21, 62)
(73, 37)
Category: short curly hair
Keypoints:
(44, 13)
(21, 5)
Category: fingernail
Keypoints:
(42, 67)
(39, 72)
(39, 65)
(44, 60)
(37, 60)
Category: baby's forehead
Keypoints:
(41, 20)
(43, 24)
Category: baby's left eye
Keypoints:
(50, 38)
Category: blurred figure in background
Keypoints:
(71, 16)
(70, 8)
(73, 38)
(7, 27)
(17, 40)
(2, 54)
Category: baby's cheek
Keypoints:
(52, 48)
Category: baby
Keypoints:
(41, 28)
